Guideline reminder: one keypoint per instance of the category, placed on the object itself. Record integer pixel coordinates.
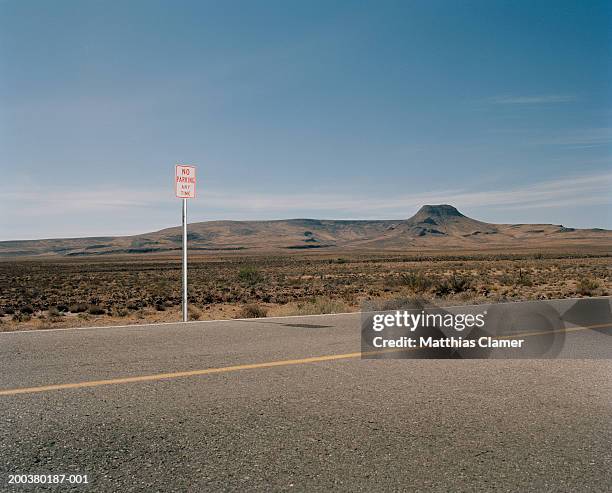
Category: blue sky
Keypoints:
(302, 109)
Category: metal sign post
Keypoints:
(185, 186)
(185, 315)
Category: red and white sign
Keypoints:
(185, 181)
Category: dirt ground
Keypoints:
(93, 291)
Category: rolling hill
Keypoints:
(432, 227)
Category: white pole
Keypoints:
(185, 315)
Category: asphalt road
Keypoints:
(288, 404)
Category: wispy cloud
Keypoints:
(575, 191)
(49, 201)
(582, 139)
(533, 100)
(565, 192)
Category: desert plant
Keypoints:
(320, 306)
(523, 279)
(249, 274)
(587, 287)
(484, 290)
(78, 308)
(45, 324)
(54, 312)
(453, 285)
(253, 311)
(21, 317)
(96, 310)
(442, 288)
(27, 310)
(459, 284)
(119, 311)
(416, 281)
(194, 312)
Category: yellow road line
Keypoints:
(251, 366)
(543, 332)
(179, 374)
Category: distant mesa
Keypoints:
(442, 210)
(433, 227)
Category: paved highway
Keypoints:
(287, 404)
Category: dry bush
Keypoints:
(416, 281)
(249, 274)
(120, 312)
(54, 312)
(78, 308)
(523, 279)
(253, 311)
(96, 310)
(453, 285)
(21, 317)
(588, 287)
(442, 288)
(193, 312)
(320, 306)
(301, 283)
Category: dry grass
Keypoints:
(35, 294)
(253, 311)
(588, 287)
(318, 306)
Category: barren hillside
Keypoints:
(432, 227)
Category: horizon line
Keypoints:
(108, 236)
